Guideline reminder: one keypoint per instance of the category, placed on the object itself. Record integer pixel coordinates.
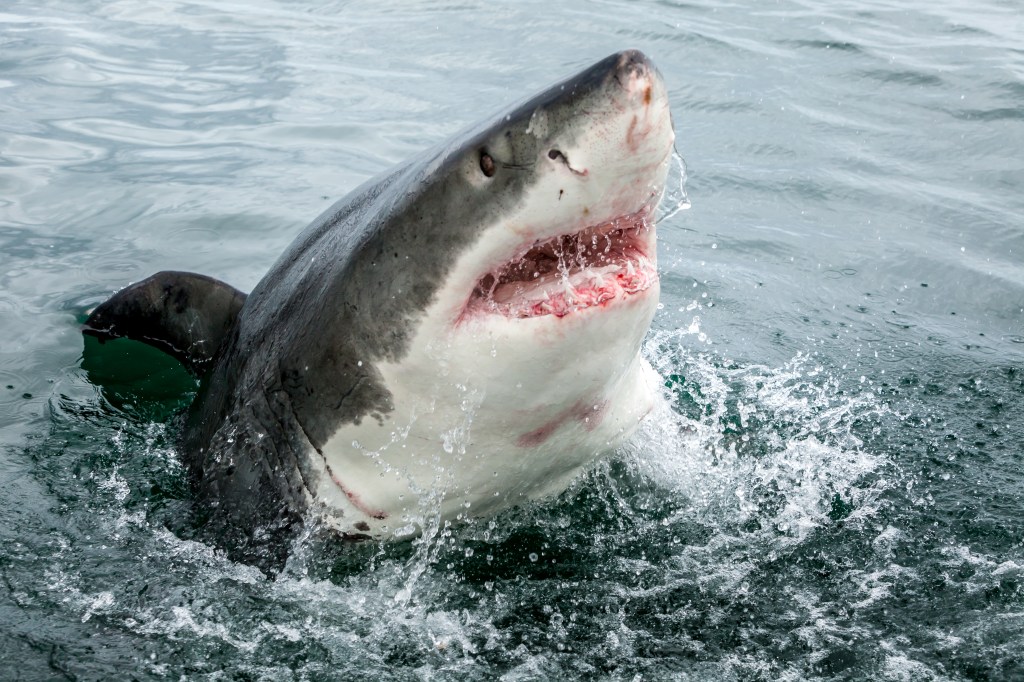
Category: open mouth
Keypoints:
(593, 267)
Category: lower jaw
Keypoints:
(574, 296)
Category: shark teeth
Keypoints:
(572, 272)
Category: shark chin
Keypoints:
(456, 337)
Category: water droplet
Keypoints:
(533, 557)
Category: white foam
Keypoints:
(758, 463)
(794, 417)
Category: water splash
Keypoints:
(648, 557)
(775, 444)
(675, 198)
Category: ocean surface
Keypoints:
(834, 488)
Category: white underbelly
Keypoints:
(470, 456)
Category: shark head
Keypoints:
(515, 278)
(573, 177)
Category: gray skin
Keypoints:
(286, 366)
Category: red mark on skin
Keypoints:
(538, 436)
(592, 415)
(356, 500)
(647, 96)
(587, 413)
(633, 137)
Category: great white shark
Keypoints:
(461, 333)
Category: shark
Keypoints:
(463, 331)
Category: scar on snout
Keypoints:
(633, 135)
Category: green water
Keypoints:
(833, 490)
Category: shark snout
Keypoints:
(637, 75)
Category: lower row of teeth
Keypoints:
(592, 287)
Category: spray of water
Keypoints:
(738, 467)
(675, 198)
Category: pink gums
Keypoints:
(562, 303)
(561, 275)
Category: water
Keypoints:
(835, 489)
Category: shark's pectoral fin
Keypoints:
(183, 314)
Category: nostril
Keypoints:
(634, 62)
(633, 70)
(559, 155)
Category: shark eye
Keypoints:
(486, 164)
(556, 154)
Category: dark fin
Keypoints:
(183, 314)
